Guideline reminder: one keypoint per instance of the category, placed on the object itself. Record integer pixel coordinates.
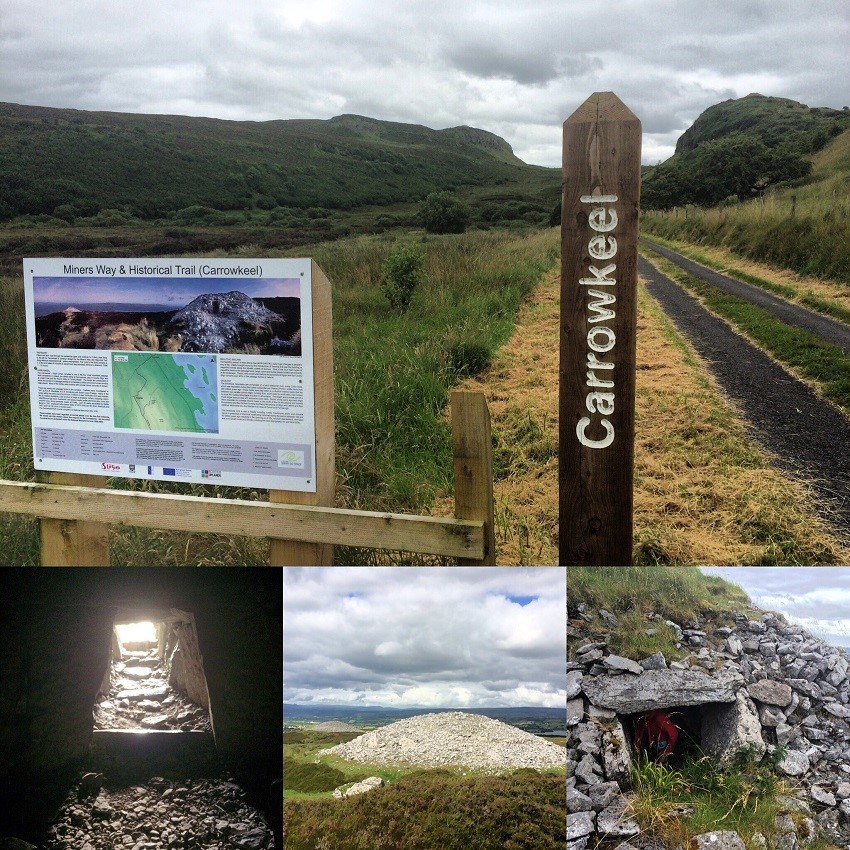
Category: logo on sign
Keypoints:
(110, 467)
(290, 458)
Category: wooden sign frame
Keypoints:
(290, 552)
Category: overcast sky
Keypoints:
(515, 68)
(456, 637)
(81, 292)
(817, 598)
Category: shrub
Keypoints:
(442, 212)
(312, 777)
(402, 273)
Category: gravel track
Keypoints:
(805, 435)
(827, 329)
(453, 738)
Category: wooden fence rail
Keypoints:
(75, 518)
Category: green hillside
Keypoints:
(739, 148)
(74, 164)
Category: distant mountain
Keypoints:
(540, 721)
(739, 148)
(71, 163)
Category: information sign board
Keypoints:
(195, 370)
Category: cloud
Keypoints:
(517, 69)
(450, 637)
(817, 598)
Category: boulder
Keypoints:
(368, 784)
(657, 661)
(574, 684)
(721, 840)
(820, 795)
(616, 757)
(575, 711)
(580, 824)
(617, 662)
(770, 715)
(728, 728)
(588, 771)
(837, 710)
(794, 763)
(578, 802)
(616, 821)
(603, 794)
(770, 692)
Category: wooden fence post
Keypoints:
(74, 543)
(291, 552)
(599, 230)
(472, 448)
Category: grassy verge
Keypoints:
(704, 492)
(815, 240)
(422, 809)
(680, 593)
(813, 359)
(393, 373)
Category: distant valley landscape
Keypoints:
(539, 721)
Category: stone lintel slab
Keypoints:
(630, 694)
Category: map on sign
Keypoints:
(165, 392)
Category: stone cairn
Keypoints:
(759, 684)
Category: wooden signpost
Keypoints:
(599, 230)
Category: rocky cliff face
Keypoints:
(760, 684)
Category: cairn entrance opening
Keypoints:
(688, 721)
(155, 679)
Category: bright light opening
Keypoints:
(136, 632)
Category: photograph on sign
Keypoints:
(195, 370)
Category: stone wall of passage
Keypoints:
(186, 661)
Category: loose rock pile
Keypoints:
(759, 684)
(159, 815)
(453, 738)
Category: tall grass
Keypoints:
(393, 372)
(814, 241)
(675, 805)
(436, 810)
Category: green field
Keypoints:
(436, 809)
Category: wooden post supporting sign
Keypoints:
(289, 552)
(599, 230)
(74, 543)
